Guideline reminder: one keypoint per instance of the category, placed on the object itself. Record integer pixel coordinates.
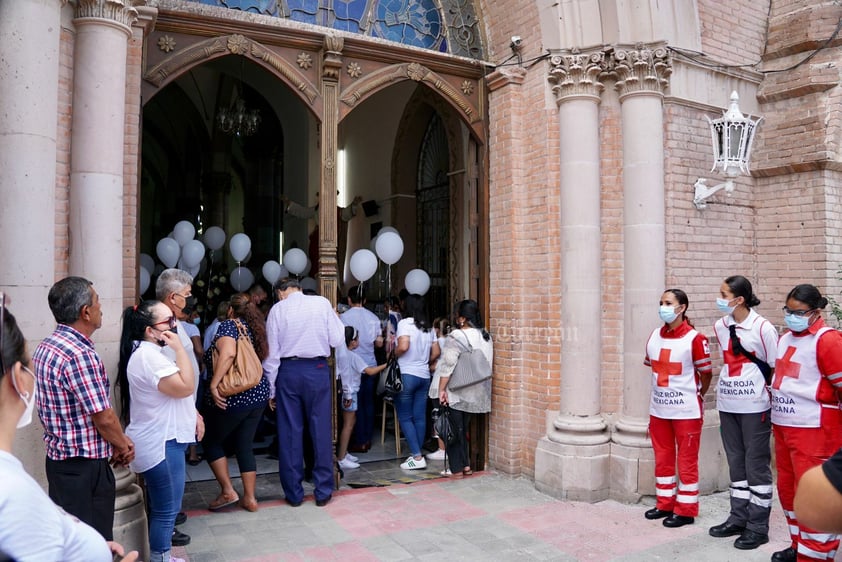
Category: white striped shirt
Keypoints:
(301, 326)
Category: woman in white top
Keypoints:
(417, 348)
(33, 528)
(474, 399)
(157, 399)
(749, 346)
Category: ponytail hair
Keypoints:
(809, 295)
(135, 321)
(741, 287)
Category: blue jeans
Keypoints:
(164, 490)
(411, 404)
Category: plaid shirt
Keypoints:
(72, 386)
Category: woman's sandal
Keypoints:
(467, 472)
(221, 502)
(248, 506)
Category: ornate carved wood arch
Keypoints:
(392, 74)
(164, 72)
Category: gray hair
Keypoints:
(67, 297)
(171, 281)
(286, 283)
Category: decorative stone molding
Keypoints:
(576, 75)
(354, 70)
(641, 69)
(504, 76)
(120, 11)
(412, 71)
(230, 44)
(332, 66)
(304, 60)
(166, 43)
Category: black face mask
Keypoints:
(189, 305)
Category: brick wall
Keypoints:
(65, 116)
(131, 167)
(734, 31)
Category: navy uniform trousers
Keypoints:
(302, 392)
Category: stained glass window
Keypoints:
(450, 28)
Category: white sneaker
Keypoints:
(437, 456)
(347, 463)
(350, 457)
(412, 464)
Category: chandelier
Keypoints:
(236, 119)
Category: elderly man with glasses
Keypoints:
(81, 430)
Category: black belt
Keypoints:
(296, 358)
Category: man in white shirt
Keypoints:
(370, 336)
(301, 329)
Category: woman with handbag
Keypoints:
(749, 346)
(468, 399)
(156, 394)
(416, 349)
(236, 415)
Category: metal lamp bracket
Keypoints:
(703, 192)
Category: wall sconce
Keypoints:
(732, 136)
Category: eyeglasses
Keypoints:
(2, 329)
(171, 322)
(797, 312)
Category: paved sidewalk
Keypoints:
(485, 517)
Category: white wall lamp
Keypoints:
(732, 136)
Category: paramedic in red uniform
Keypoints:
(681, 371)
(806, 419)
(749, 346)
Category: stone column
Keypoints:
(327, 266)
(103, 29)
(571, 461)
(642, 77)
(29, 40)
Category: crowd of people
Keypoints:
(789, 386)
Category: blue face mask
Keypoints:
(796, 323)
(722, 305)
(197, 321)
(667, 313)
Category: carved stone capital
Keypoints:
(119, 11)
(641, 69)
(576, 75)
(332, 63)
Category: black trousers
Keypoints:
(240, 426)
(84, 488)
(457, 450)
(745, 438)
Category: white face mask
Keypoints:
(28, 400)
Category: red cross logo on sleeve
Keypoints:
(664, 369)
(734, 361)
(786, 367)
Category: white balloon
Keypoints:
(363, 265)
(373, 244)
(307, 268)
(214, 238)
(295, 260)
(144, 279)
(284, 272)
(389, 247)
(192, 253)
(271, 271)
(388, 229)
(168, 251)
(309, 283)
(240, 246)
(241, 278)
(148, 262)
(417, 282)
(193, 270)
(183, 232)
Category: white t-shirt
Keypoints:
(350, 367)
(155, 417)
(187, 343)
(210, 332)
(35, 529)
(368, 326)
(416, 360)
(190, 329)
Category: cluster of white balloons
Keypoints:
(388, 246)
